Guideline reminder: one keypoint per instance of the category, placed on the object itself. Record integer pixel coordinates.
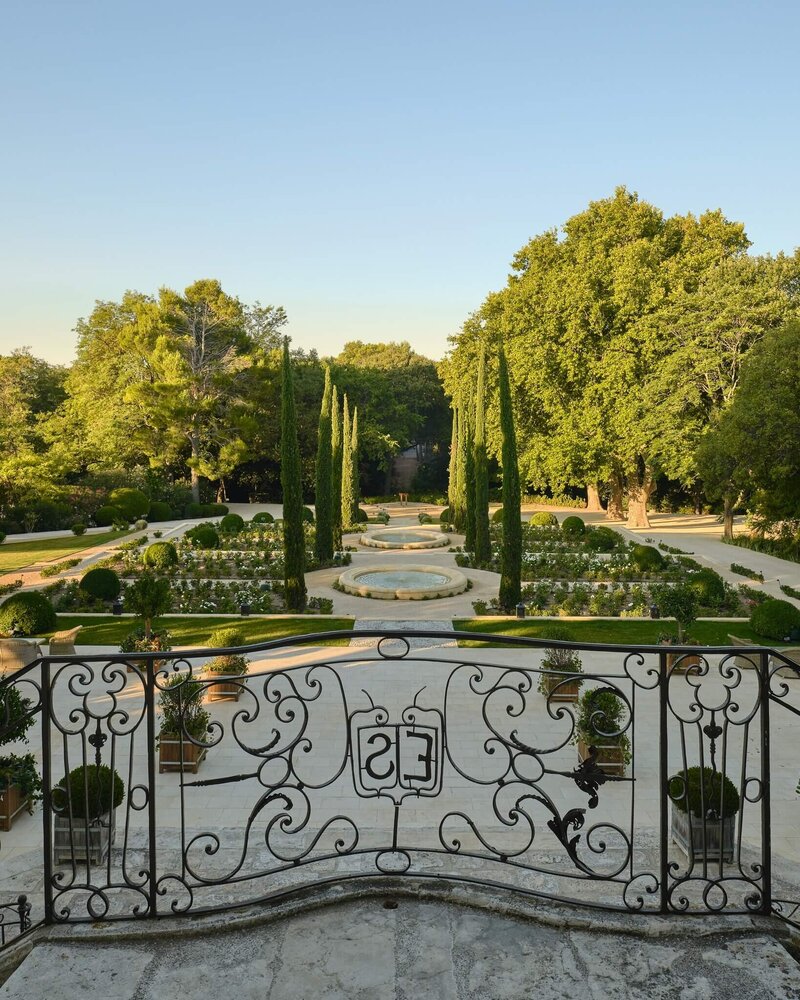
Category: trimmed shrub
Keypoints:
(601, 539)
(497, 517)
(361, 516)
(132, 503)
(544, 519)
(140, 524)
(29, 613)
(160, 556)
(226, 637)
(698, 790)
(573, 527)
(231, 524)
(308, 515)
(446, 517)
(94, 785)
(775, 619)
(709, 587)
(51, 516)
(107, 515)
(646, 558)
(78, 529)
(206, 510)
(263, 517)
(159, 511)
(204, 536)
(101, 583)
(2, 537)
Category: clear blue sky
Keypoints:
(372, 167)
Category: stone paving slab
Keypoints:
(388, 948)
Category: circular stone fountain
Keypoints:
(404, 538)
(411, 583)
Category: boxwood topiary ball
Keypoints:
(601, 539)
(544, 519)
(132, 503)
(308, 515)
(361, 516)
(29, 612)
(263, 517)
(231, 523)
(573, 527)
(775, 619)
(709, 587)
(497, 517)
(101, 583)
(161, 556)
(107, 515)
(159, 511)
(646, 558)
(204, 536)
(94, 785)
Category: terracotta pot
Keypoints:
(610, 757)
(174, 755)
(12, 802)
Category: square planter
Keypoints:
(224, 687)
(567, 692)
(689, 660)
(610, 758)
(687, 833)
(75, 845)
(169, 754)
(12, 802)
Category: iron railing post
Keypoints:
(663, 782)
(47, 785)
(766, 802)
(150, 709)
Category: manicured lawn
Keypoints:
(106, 630)
(623, 631)
(18, 555)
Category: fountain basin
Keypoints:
(407, 583)
(404, 538)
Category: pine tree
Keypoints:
(323, 501)
(347, 498)
(294, 542)
(483, 545)
(354, 471)
(511, 551)
(336, 470)
(468, 479)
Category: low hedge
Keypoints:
(206, 510)
(775, 619)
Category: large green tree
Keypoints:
(323, 539)
(483, 545)
(336, 470)
(348, 496)
(294, 543)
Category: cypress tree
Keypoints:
(347, 498)
(323, 500)
(452, 475)
(336, 470)
(468, 479)
(483, 545)
(294, 542)
(354, 471)
(511, 551)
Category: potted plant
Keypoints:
(680, 603)
(599, 730)
(148, 598)
(559, 662)
(20, 784)
(84, 813)
(703, 807)
(184, 724)
(226, 670)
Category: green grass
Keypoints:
(107, 630)
(623, 631)
(18, 555)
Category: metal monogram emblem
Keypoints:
(397, 759)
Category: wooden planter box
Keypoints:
(169, 754)
(72, 846)
(12, 802)
(224, 686)
(568, 691)
(687, 833)
(610, 758)
(689, 660)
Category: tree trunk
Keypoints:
(638, 495)
(195, 443)
(593, 501)
(615, 511)
(727, 519)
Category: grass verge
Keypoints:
(623, 631)
(19, 555)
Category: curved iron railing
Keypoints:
(432, 762)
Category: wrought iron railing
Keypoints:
(415, 757)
